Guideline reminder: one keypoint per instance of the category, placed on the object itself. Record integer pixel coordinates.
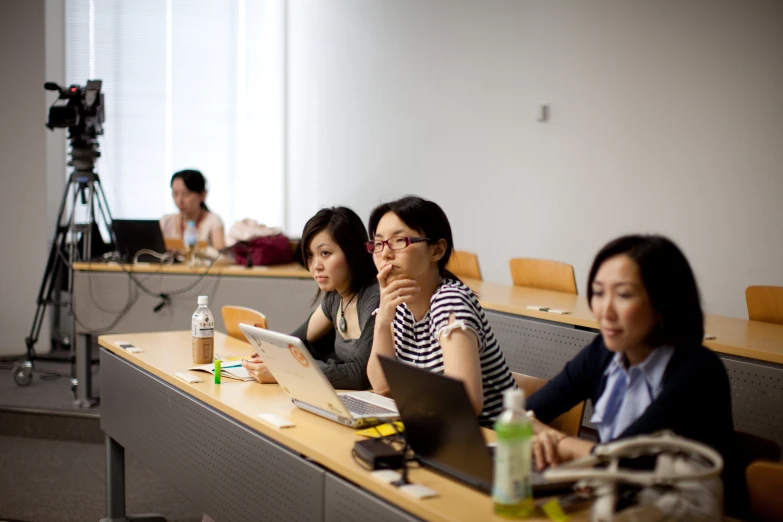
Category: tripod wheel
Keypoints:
(23, 373)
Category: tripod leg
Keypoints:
(48, 280)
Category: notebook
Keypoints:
(228, 369)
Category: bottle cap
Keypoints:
(203, 300)
(514, 399)
(191, 223)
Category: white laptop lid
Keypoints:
(295, 369)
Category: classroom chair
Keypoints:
(464, 264)
(233, 315)
(765, 484)
(569, 422)
(543, 274)
(175, 244)
(765, 303)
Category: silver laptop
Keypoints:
(300, 377)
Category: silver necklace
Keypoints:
(341, 325)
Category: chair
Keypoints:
(233, 315)
(569, 422)
(464, 264)
(543, 274)
(765, 484)
(175, 244)
(765, 303)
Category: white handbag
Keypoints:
(685, 483)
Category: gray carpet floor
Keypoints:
(64, 481)
(52, 463)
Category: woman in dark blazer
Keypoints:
(647, 371)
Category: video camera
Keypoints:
(83, 112)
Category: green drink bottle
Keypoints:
(511, 490)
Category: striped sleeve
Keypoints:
(456, 300)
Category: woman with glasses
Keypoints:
(427, 317)
(339, 333)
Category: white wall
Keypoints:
(666, 117)
(23, 192)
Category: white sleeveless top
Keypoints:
(171, 226)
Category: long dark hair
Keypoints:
(347, 230)
(670, 283)
(194, 180)
(424, 216)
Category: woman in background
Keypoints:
(339, 333)
(189, 191)
(427, 317)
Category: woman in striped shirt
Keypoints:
(427, 317)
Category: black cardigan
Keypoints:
(695, 402)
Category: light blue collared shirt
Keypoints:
(629, 392)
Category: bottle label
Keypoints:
(512, 471)
(202, 326)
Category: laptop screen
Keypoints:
(440, 424)
(137, 234)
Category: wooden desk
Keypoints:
(533, 342)
(108, 297)
(733, 336)
(294, 270)
(206, 439)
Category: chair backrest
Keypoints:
(543, 274)
(765, 303)
(765, 488)
(464, 264)
(175, 244)
(569, 422)
(757, 448)
(233, 315)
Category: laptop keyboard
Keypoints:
(360, 407)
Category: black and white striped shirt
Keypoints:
(417, 342)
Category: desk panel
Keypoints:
(348, 503)
(100, 296)
(756, 397)
(224, 468)
(535, 347)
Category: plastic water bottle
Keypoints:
(190, 238)
(512, 493)
(203, 331)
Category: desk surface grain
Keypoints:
(326, 442)
(288, 270)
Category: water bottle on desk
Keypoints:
(190, 239)
(512, 492)
(203, 331)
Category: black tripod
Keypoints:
(73, 240)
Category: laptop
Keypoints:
(300, 377)
(133, 235)
(443, 431)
